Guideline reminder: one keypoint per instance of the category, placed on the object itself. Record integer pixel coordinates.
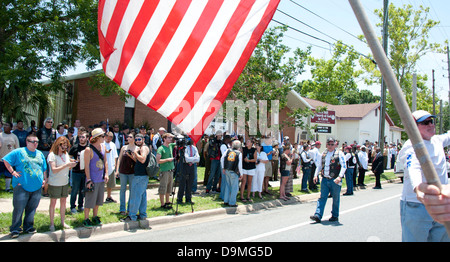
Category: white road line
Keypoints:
(309, 222)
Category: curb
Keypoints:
(83, 233)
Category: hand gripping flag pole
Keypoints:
(397, 97)
(180, 57)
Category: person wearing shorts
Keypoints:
(164, 157)
(248, 168)
(285, 168)
(95, 168)
(58, 178)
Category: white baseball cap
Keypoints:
(421, 115)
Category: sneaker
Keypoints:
(31, 230)
(87, 223)
(110, 200)
(52, 228)
(127, 219)
(14, 234)
(73, 211)
(96, 221)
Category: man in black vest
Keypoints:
(332, 169)
(231, 162)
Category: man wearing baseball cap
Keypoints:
(417, 224)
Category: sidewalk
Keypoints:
(152, 193)
(77, 234)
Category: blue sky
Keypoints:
(340, 13)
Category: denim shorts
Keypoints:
(285, 173)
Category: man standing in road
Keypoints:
(332, 169)
(417, 224)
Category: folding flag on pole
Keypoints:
(180, 57)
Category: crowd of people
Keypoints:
(49, 161)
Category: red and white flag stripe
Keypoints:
(180, 57)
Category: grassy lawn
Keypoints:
(109, 213)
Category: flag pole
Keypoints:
(397, 97)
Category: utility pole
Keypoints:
(414, 93)
(434, 102)
(448, 68)
(383, 84)
(440, 117)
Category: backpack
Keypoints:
(152, 167)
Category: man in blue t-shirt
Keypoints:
(28, 168)
(267, 147)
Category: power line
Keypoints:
(325, 41)
(327, 21)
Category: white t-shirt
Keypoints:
(60, 178)
(413, 174)
(261, 157)
(111, 156)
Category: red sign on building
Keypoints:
(326, 117)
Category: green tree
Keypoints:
(408, 33)
(332, 79)
(42, 39)
(271, 71)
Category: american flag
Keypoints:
(180, 57)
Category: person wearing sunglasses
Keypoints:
(331, 167)
(416, 222)
(28, 167)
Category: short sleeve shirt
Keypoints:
(31, 167)
(166, 152)
(60, 178)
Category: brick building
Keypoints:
(346, 123)
(90, 107)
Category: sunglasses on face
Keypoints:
(33, 142)
(138, 139)
(427, 122)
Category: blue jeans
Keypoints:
(124, 180)
(223, 185)
(78, 182)
(328, 186)
(138, 197)
(419, 226)
(214, 175)
(349, 180)
(306, 174)
(24, 201)
(232, 187)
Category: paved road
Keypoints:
(369, 215)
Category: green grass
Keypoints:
(109, 213)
